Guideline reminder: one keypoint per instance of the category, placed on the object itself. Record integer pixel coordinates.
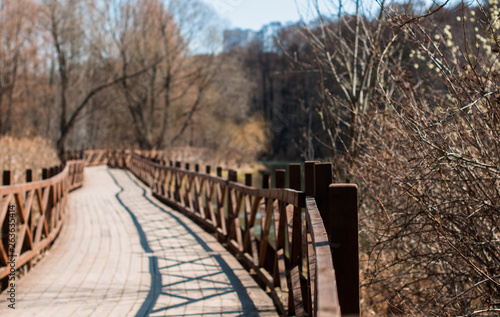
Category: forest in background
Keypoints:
(404, 102)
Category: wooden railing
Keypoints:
(278, 234)
(302, 246)
(32, 214)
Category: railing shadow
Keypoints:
(157, 289)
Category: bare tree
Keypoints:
(17, 54)
(163, 100)
(348, 53)
(65, 24)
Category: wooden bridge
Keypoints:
(143, 236)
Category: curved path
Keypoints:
(123, 253)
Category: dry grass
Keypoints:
(19, 154)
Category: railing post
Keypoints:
(232, 176)
(6, 178)
(309, 179)
(323, 178)
(279, 228)
(6, 181)
(265, 180)
(343, 234)
(52, 171)
(177, 193)
(337, 204)
(296, 184)
(29, 176)
(248, 179)
(45, 173)
(280, 177)
(29, 179)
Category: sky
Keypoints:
(253, 14)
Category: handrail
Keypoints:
(39, 210)
(291, 257)
(327, 302)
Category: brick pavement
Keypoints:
(122, 253)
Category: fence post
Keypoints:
(265, 181)
(343, 234)
(295, 184)
(6, 181)
(337, 204)
(279, 226)
(248, 179)
(280, 177)
(177, 194)
(29, 175)
(52, 171)
(309, 179)
(29, 179)
(323, 178)
(232, 176)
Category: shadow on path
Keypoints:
(247, 304)
(156, 283)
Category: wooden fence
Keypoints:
(32, 214)
(284, 236)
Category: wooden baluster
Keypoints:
(198, 184)
(208, 209)
(188, 183)
(29, 179)
(279, 271)
(221, 191)
(247, 208)
(266, 177)
(307, 255)
(177, 194)
(296, 302)
(231, 223)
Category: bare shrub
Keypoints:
(19, 154)
(411, 110)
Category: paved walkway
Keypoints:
(122, 253)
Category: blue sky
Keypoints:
(253, 14)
